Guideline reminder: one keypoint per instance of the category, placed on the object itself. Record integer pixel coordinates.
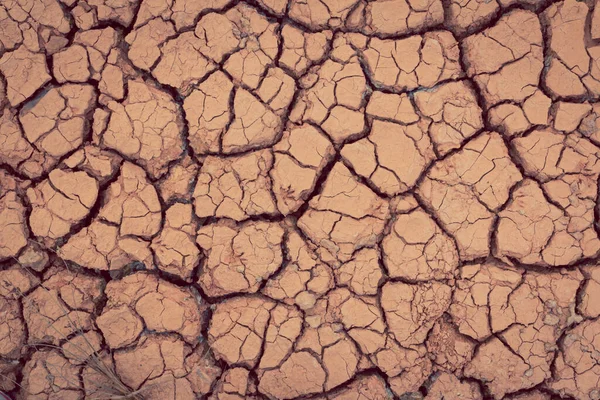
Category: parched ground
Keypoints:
(316, 199)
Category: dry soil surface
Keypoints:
(316, 199)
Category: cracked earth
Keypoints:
(315, 199)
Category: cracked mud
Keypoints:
(300, 199)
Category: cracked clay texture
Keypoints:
(300, 199)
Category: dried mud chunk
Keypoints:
(417, 249)
(340, 361)
(61, 307)
(362, 274)
(215, 128)
(543, 304)
(454, 114)
(111, 82)
(175, 248)
(537, 107)
(163, 306)
(97, 383)
(234, 384)
(239, 258)
(168, 386)
(462, 189)
(11, 35)
(481, 301)
(121, 12)
(119, 326)
(391, 106)
(100, 164)
(48, 375)
(415, 369)
(132, 203)
(14, 284)
(8, 374)
(465, 16)
(61, 201)
(181, 64)
(56, 121)
(534, 231)
(98, 44)
(302, 49)
(277, 7)
(562, 82)
(144, 42)
(337, 84)
(71, 64)
(25, 72)
(532, 3)
(284, 328)
(417, 61)
(501, 369)
(396, 17)
(300, 157)
(237, 329)
(10, 183)
(235, 187)
(316, 14)
(207, 113)
(570, 57)
(277, 90)
(259, 48)
(337, 354)
(219, 36)
(344, 124)
(33, 257)
(185, 12)
(577, 370)
(153, 357)
(300, 374)
(337, 222)
(508, 119)
(506, 60)
(80, 348)
(369, 387)
(411, 310)
(448, 387)
(99, 246)
(99, 123)
(13, 229)
(339, 190)
(147, 127)
(540, 308)
(595, 24)
(569, 115)
(254, 126)
(590, 302)
(548, 154)
(84, 16)
(367, 327)
(203, 369)
(14, 148)
(177, 184)
(576, 196)
(533, 395)
(303, 278)
(392, 157)
(150, 9)
(449, 349)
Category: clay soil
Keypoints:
(299, 199)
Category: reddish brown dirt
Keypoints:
(314, 199)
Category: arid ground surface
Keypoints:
(325, 199)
